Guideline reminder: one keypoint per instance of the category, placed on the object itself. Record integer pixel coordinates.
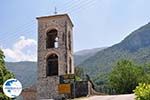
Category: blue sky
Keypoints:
(97, 23)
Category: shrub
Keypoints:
(142, 92)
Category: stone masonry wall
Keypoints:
(47, 86)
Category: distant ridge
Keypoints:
(25, 71)
(82, 55)
(135, 47)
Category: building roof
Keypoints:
(58, 15)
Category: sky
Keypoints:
(97, 23)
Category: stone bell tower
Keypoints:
(55, 53)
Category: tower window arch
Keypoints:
(70, 65)
(69, 40)
(52, 65)
(52, 39)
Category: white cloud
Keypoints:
(23, 50)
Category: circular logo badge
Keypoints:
(12, 88)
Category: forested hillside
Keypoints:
(135, 47)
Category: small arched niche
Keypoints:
(52, 65)
(52, 39)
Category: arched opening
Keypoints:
(52, 39)
(52, 65)
(70, 65)
(69, 40)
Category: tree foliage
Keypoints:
(79, 73)
(4, 75)
(125, 77)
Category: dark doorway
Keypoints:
(52, 65)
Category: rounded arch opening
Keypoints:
(52, 39)
(52, 65)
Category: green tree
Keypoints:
(79, 73)
(101, 82)
(146, 74)
(4, 75)
(125, 77)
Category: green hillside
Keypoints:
(135, 47)
(25, 72)
(82, 55)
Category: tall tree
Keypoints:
(4, 75)
(125, 77)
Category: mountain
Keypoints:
(82, 55)
(135, 47)
(137, 40)
(25, 72)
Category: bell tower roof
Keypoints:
(57, 16)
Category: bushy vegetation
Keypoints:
(123, 78)
(4, 75)
(142, 92)
(79, 74)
